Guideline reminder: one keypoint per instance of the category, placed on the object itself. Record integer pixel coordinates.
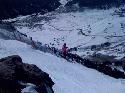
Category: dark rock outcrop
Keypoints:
(13, 8)
(105, 66)
(13, 70)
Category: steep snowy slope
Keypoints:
(68, 77)
(78, 29)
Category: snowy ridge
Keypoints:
(68, 77)
(106, 68)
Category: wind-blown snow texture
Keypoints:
(68, 77)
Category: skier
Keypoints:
(64, 50)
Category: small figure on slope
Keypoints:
(64, 50)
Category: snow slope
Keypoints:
(97, 27)
(68, 77)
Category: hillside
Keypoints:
(68, 77)
(92, 34)
(88, 31)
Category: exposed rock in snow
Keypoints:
(14, 8)
(88, 32)
(12, 70)
(68, 77)
(82, 30)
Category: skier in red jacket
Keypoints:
(64, 50)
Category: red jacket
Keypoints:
(64, 49)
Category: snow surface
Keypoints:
(30, 88)
(98, 27)
(63, 2)
(68, 77)
(54, 29)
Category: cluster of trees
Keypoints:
(13, 8)
(97, 3)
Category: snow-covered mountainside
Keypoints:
(90, 31)
(68, 77)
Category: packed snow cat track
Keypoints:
(9, 31)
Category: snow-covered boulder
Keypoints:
(13, 71)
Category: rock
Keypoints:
(13, 70)
(101, 58)
(14, 8)
(99, 62)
